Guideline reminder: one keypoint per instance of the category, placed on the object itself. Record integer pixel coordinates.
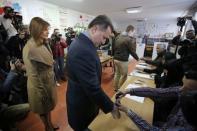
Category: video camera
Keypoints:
(70, 35)
(13, 60)
(186, 42)
(17, 20)
(58, 37)
(182, 20)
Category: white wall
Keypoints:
(75, 17)
(154, 28)
(58, 17)
(61, 18)
(123, 25)
(36, 8)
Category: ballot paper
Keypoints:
(143, 66)
(142, 74)
(143, 63)
(135, 98)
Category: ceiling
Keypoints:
(115, 9)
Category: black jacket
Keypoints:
(15, 46)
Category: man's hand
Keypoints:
(115, 112)
(123, 108)
(143, 59)
(12, 66)
(138, 68)
(121, 94)
(62, 40)
(17, 65)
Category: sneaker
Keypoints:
(58, 84)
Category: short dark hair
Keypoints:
(8, 9)
(22, 28)
(55, 29)
(190, 34)
(129, 28)
(190, 31)
(103, 21)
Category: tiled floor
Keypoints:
(59, 115)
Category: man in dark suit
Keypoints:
(84, 94)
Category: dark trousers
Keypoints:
(59, 67)
(87, 129)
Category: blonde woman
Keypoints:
(38, 60)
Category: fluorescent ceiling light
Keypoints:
(134, 9)
(76, 0)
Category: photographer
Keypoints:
(17, 20)
(9, 114)
(190, 36)
(6, 20)
(16, 43)
(18, 86)
(58, 46)
(70, 35)
(56, 32)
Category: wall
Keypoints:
(58, 17)
(195, 16)
(122, 26)
(48, 12)
(154, 28)
(78, 17)
(61, 18)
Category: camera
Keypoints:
(17, 21)
(70, 35)
(186, 42)
(13, 60)
(58, 37)
(181, 22)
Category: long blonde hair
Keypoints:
(37, 26)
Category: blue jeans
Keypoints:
(59, 67)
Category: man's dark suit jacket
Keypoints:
(84, 93)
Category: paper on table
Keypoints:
(143, 75)
(143, 66)
(143, 63)
(135, 98)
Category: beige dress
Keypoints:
(41, 83)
